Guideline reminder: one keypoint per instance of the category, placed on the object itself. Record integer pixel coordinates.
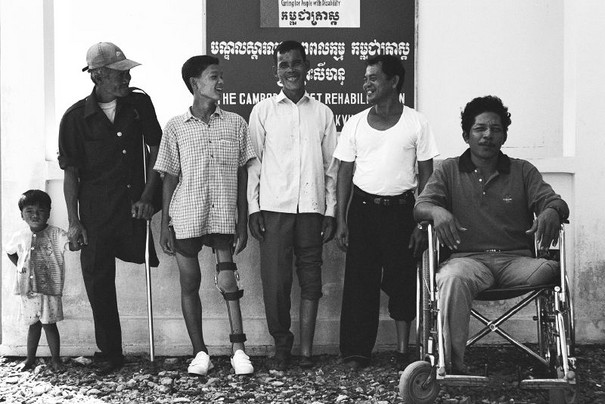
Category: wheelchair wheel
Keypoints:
(569, 320)
(551, 351)
(425, 310)
(568, 341)
(417, 385)
(548, 331)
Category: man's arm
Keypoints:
(71, 183)
(425, 169)
(257, 136)
(166, 238)
(241, 232)
(256, 222)
(546, 228)
(548, 206)
(445, 224)
(431, 205)
(330, 164)
(143, 208)
(344, 185)
(418, 240)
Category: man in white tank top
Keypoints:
(382, 147)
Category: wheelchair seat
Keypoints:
(511, 292)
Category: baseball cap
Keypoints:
(106, 54)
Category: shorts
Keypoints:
(190, 247)
(43, 308)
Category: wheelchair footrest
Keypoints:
(544, 384)
(463, 380)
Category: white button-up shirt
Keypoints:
(294, 143)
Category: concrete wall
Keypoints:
(543, 58)
(586, 105)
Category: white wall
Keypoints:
(22, 123)
(544, 58)
(160, 35)
(512, 49)
(587, 77)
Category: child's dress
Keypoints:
(40, 273)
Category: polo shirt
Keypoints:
(497, 211)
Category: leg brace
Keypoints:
(232, 300)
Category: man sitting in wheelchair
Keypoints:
(482, 205)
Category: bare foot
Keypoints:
(56, 365)
(28, 364)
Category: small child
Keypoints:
(38, 254)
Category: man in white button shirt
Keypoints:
(383, 144)
(291, 198)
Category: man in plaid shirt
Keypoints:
(203, 157)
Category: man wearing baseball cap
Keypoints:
(102, 139)
(106, 54)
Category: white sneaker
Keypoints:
(241, 363)
(201, 364)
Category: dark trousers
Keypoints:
(378, 258)
(288, 235)
(124, 240)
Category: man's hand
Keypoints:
(328, 226)
(256, 222)
(342, 235)
(241, 238)
(447, 228)
(167, 240)
(143, 209)
(418, 242)
(77, 234)
(546, 228)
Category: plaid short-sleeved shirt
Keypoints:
(206, 158)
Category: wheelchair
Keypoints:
(421, 380)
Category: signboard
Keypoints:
(312, 13)
(339, 36)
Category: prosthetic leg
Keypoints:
(230, 290)
(307, 318)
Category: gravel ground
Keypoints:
(166, 381)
